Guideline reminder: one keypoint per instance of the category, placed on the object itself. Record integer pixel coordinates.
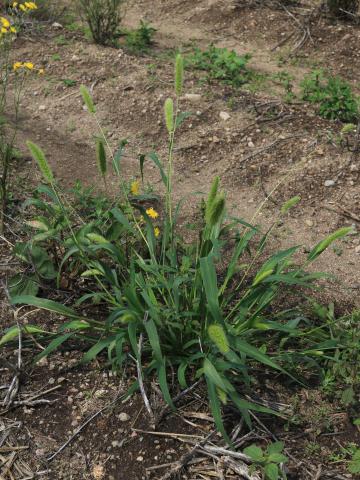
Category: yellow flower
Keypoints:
(13, 30)
(156, 231)
(135, 187)
(23, 8)
(17, 65)
(5, 22)
(152, 213)
(29, 65)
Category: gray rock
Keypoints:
(329, 183)
(124, 417)
(192, 97)
(224, 116)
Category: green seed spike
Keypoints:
(101, 157)
(179, 74)
(324, 244)
(169, 114)
(40, 159)
(87, 99)
(216, 210)
(212, 195)
(218, 336)
(290, 204)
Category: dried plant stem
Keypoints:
(140, 376)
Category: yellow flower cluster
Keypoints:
(6, 27)
(24, 7)
(153, 214)
(134, 187)
(27, 66)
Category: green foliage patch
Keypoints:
(334, 96)
(221, 64)
(141, 39)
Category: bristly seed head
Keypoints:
(40, 158)
(169, 114)
(87, 99)
(101, 157)
(216, 210)
(212, 195)
(218, 336)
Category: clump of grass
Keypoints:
(195, 308)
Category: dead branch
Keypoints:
(140, 376)
(185, 459)
(15, 383)
(240, 468)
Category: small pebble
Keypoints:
(224, 116)
(329, 183)
(124, 417)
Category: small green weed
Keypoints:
(312, 448)
(354, 464)
(141, 39)
(286, 80)
(268, 460)
(61, 40)
(221, 64)
(75, 27)
(334, 95)
(342, 377)
(68, 82)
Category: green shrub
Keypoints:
(221, 64)
(335, 96)
(200, 309)
(103, 18)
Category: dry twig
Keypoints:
(140, 377)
